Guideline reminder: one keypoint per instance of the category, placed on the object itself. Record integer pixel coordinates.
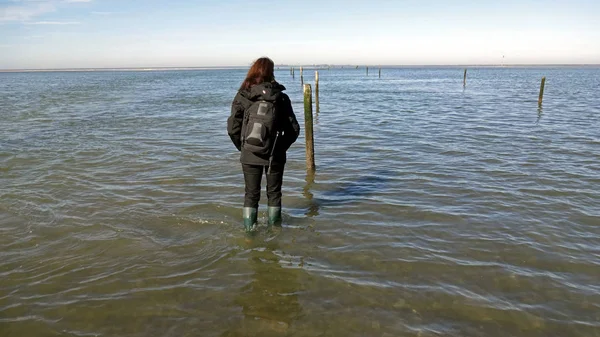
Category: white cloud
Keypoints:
(34, 37)
(53, 23)
(24, 13)
(26, 10)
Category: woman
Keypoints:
(263, 142)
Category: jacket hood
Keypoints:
(267, 91)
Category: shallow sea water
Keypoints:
(435, 210)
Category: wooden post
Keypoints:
(308, 128)
(293, 73)
(367, 71)
(542, 91)
(317, 90)
(465, 78)
(379, 72)
(301, 76)
(313, 208)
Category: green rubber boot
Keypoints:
(274, 216)
(250, 214)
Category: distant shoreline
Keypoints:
(320, 66)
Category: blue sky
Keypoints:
(152, 33)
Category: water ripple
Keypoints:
(435, 209)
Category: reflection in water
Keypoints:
(313, 208)
(270, 301)
(540, 112)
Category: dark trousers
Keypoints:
(252, 178)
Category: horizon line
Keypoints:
(307, 66)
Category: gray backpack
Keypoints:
(259, 131)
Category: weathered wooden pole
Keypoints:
(313, 207)
(379, 72)
(541, 91)
(308, 128)
(465, 78)
(301, 76)
(317, 90)
(293, 73)
(367, 71)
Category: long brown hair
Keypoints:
(261, 71)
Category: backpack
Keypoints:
(259, 127)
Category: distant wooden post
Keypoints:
(379, 72)
(542, 91)
(465, 78)
(301, 76)
(308, 128)
(317, 90)
(367, 71)
(293, 73)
